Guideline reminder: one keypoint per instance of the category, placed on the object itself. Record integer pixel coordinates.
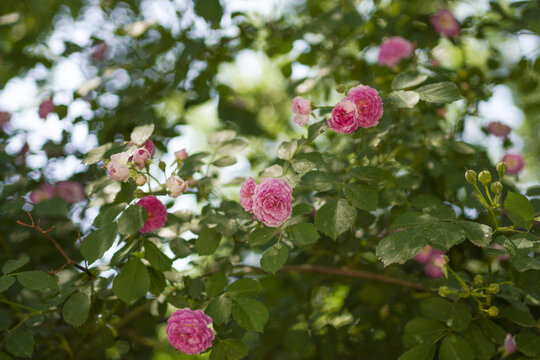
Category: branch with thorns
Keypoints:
(45, 233)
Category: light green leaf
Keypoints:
(6, 282)
(37, 280)
(404, 99)
(207, 242)
(141, 133)
(244, 288)
(274, 258)
(12, 265)
(317, 181)
(233, 146)
(94, 245)
(335, 217)
(408, 79)
(250, 314)
(261, 236)
(221, 136)
(132, 282)
(362, 196)
(20, 343)
(443, 92)
(401, 246)
(303, 234)
(132, 219)
(287, 149)
(520, 210)
(76, 309)
(454, 347)
(316, 129)
(444, 235)
(225, 161)
(156, 257)
(219, 309)
(97, 154)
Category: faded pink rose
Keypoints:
(176, 186)
(118, 171)
(344, 117)
(181, 155)
(510, 344)
(140, 157)
(5, 117)
(70, 191)
(302, 108)
(393, 50)
(499, 129)
(514, 162)
(272, 201)
(433, 261)
(445, 23)
(99, 52)
(45, 108)
(149, 145)
(187, 330)
(45, 192)
(156, 211)
(369, 104)
(246, 193)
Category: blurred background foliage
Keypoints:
(192, 68)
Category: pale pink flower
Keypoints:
(181, 154)
(140, 157)
(369, 104)
(499, 129)
(514, 162)
(424, 256)
(393, 50)
(176, 186)
(71, 191)
(149, 145)
(156, 211)
(99, 52)
(272, 201)
(45, 108)
(5, 117)
(118, 171)
(510, 344)
(300, 119)
(140, 180)
(344, 117)
(45, 192)
(246, 193)
(187, 330)
(445, 23)
(301, 106)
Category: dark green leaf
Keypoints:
(210, 10)
(156, 257)
(459, 317)
(219, 309)
(132, 219)
(335, 217)
(37, 280)
(215, 284)
(302, 209)
(478, 234)
(435, 308)
(454, 347)
(520, 317)
(303, 234)
(528, 343)
(244, 288)
(422, 331)
(132, 282)
(261, 236)
(250, 314)
(362, 196)
(317, 181)
(519, 210)
(274, 258)
(12, 265)
(20, 343)
(229, 349)
(401, 246)
(76, 309)
(482, 347)
(207, 242)
(420, 352)
(444, 235)
(6, 282)
(157, 281)
(94, 245)
(493, 332)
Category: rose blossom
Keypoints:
(176, 185)
(394, 49)
(45, 192)
(445, 23)
(272, 201)
(344, 117)
(369, 104)
(246, 193)
(302, 108)
(188, 331)
(181, 154)
(157, 213)
(433, 261)
(45, 108)
(117, 167)
(140, 157)
(70, 191)
(499, 129)
(510, 344)
(149, 145)
(514, 162)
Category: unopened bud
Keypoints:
(493, 288)
(478, 280)
(341, 89)
(444, 291)
(470, 176)
(501, 168)
(139, 193)
(484, 177)
(496, 187)
(140, 180)
(181, 154)
(493, 311)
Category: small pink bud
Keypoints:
(140, 157)
(514, 162)
(510, 344)
(181, 154)
(140, 180)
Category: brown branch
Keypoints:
(347, 272)
(45, 233)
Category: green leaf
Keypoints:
(303, 234)
(97, 154)
(520, 317)
(261, 236)
(6, 282)
(408, 79)
(132, 219)
(156, 257)
(56, 207)
(215, 284)
(422, 331)
(454, 347)
(94, 245)
(443, 92)
(12, 265)
(362, 196)
(229, 349)
(482, 347)
(493, 332)
(132, 282)
(302, 209)
(244, 288)
(420, 352)
(4, 356)
(459, 317)
(528, 343)
(37, 280)
(404, 99)
(274, 258)
(221, 136)
(335, 217)
(219, 309)
(157, 281)
(76, 309)
(20, 343)
(233, 146)
(250, 314)
(478, 234)
(435, 308)
(287, 149)
(141, 133)
(225, 161)
(210, 10)
(317, 181)
(444, 235)
(316, 129)
(207, 242)
(520, 210)
(400, 246)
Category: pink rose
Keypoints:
(499, 129)
(394, 49)
(301, 106)
(369, 104)
(45, 192)
(445, 23)
(188, 331)
(246, 193)
(118, 171)
(70, 191)
(181, 154)
(5, 117)
(45, 108)
(514, 162)
(157, 213)
(99, 52)
(176, 186)
(272, 201)
(510, 344)
(140, 157)
(149, 145)
(433, 261)
(344, 117)
(300, 119)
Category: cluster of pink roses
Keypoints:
(270, 201)
(513, 161)
(433, 261)
(187, 330)
(70, 191)
(118, 167)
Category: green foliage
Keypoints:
(132, 282)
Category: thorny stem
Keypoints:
(45, 233)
